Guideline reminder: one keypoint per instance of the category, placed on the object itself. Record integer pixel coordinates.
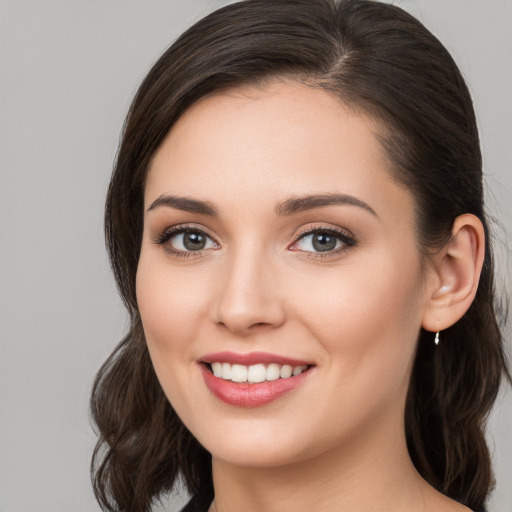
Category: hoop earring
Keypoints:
(436, 339)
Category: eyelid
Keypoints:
(168, 233)
(344, 235)
(323, 228)
(175, 229)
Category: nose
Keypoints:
(249, 299)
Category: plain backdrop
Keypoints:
(68, 70)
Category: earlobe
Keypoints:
(456, 269)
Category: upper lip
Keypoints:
(251, 358)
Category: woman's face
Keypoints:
(276, 241)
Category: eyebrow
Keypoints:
(301, 204)
(288, 207)
(184, 203)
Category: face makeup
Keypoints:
(253, 379)
(277, 243)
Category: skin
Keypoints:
(336, 442)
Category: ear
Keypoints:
(454, 274)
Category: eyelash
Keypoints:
(347, 240)
(178, 230)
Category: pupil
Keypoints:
(194, 241)
(323, 243)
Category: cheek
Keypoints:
(368, 327)
(170, 304)
(368, 317)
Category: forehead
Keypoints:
(280, 139)
(278, 116)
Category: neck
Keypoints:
(369, 471)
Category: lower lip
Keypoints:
(243, 394)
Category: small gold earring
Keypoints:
(436, 339)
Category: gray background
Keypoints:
(68, 70)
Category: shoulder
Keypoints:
(198, 503)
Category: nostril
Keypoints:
(258, 324)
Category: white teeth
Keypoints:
(217, 369)
(272, 372)
(256, 372)
(286, 371)
(298, 370)
(226, 371)
(238, 373)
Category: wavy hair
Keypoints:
(381, 61)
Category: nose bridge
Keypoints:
(248, 296)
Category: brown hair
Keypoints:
(378, 59)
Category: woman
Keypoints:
(296, 225)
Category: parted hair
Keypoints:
(378, 60)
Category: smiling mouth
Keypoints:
(253, 379)
(254, 373)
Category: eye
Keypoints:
(323, 241)
(191, 241)
(182, 240)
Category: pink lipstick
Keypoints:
(252, 379)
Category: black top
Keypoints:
(200, 503)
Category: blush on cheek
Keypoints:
(153, 305)
(359, 324)
(171, 303)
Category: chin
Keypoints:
(251, 454)
(260, 443)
